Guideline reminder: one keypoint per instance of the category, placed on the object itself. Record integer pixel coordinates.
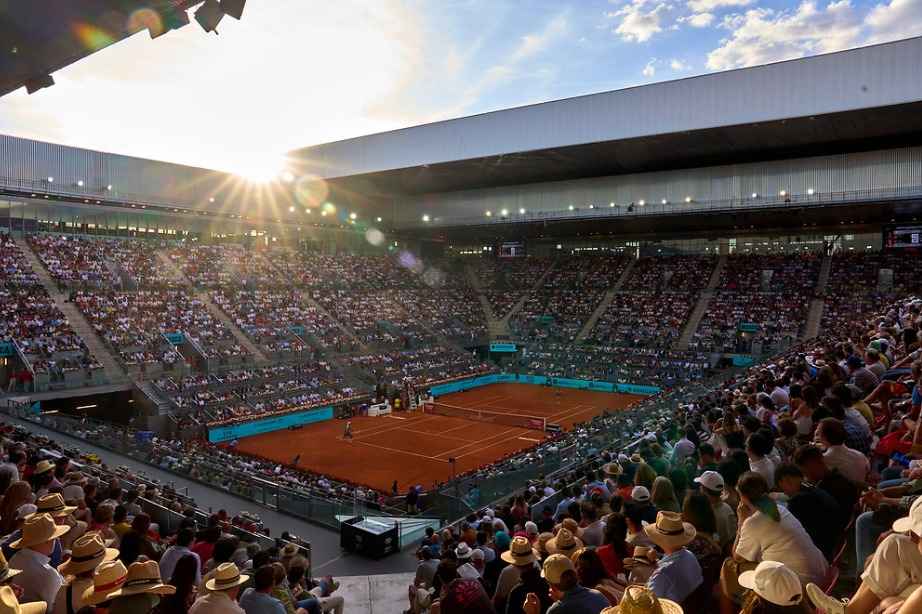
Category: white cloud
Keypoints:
(640, 19)
(650, 69)
(708, 6)
(893, 21)
(762, 35)
(699, 20)
(678, 65)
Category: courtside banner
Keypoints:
(257, 427)
(503, 347)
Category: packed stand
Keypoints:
(212, 266)
(568, 296)
(772, 292)
(505, 280)
(30, 319)
(74, 261)
(422, 366)
(79, 539)
(643, 320)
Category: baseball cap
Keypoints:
(555, 566)
(773, 582)
(912, 522)
(711, 480)
(640, 493)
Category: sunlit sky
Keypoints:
(294, 73)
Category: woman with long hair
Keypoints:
(614, 548)
(592, 574)
(644, 476)
(697, 511)
(663, 495)
(183, 579)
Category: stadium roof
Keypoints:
(41, 37)
(846, 101)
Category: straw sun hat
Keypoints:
(89, 551)
(669, 530)
(143, 578)
(226, 576)
(638, 599)
(38, 529)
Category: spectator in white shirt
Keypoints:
(759, 446)
(184, 538)
(223, 589)
(830, 435)
(39, 580)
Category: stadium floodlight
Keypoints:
(109, 188)
(489, 214)
(378, 219)
(611, 204)
(592, 206)
(570, 207)
(783, 193)
(642, 202)
(522, 211)
(80, 183)
(755, 194)
(291, 209)
(211, 200)
(504, 212)
(810, 191)
(688, 199)
(664, 201)
(209, 15)
(559, 246)
(426, 217)
(352, 216)
(50, 179)
(234, 8)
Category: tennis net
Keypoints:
(536, 423)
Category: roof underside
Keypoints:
(852, 100)
(39, 37)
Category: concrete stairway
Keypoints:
(823, 280)
(701, 306)
(606, 300)
(307, 300)
(217, 313)
(112, 369)
(161, 404)
(599, 310)
(534, 287)
(174, 268)
(814, 318)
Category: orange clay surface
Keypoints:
(414, 448)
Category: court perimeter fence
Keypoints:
(453, 501)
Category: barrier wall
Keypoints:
(267, 425)
(540, 380)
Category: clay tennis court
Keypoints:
(414, 447)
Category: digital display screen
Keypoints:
(903, 236)
(511, 250)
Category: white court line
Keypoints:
(530, 439)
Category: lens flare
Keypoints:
(411, 262)
(311, 191)
(146, 19)
(375, 237)
(91, 37)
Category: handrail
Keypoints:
(635, 209)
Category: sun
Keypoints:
(262, 169)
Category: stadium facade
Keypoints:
(827, 141)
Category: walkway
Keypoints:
(328, 558)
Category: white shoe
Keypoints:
(824, 602)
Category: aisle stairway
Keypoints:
(112, 369)
(701, 307)
(818, 305)
(606, 301)
(218, 313)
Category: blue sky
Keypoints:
(294, 73)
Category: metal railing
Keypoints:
(605, 210)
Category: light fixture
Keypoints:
(559, 246)
(489, 214)
(80, 183)
(611, 204)
(521, 210)
(664, 201)
(426, 217)
(570, 207)
(378, 219)
(352, 216)
(810, 191)
(783, 193)
(50, 179)
(211, 200)
(755, 194)
(688, 199)
(642, 202)
(109, 188)
(323, 213)
(504, 212)
(592, 206)
(291, 209)
(308, 211)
